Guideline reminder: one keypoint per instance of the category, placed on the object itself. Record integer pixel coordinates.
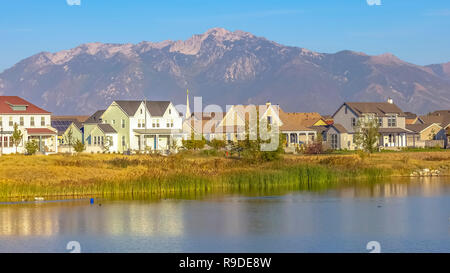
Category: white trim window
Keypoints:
(334, 141)
(392, 121)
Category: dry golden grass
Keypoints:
(111, 173)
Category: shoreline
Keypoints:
(106, 174)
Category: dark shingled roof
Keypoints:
(378, 108)
(156, 108)
(106, 128)
(339, 128)
(95, 118)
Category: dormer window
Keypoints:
(269, 120)
(17, 107)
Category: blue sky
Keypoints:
(417, 31)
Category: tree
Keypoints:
(31, 147)
(79, 146)
(367, 135)
(69, 139)
(316, 147)
(254, 149)
(17, 136)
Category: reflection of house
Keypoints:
(136, 126)
(390, 118)
(32, 121)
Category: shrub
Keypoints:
(79, 146)
(31, 147)
(217, 144)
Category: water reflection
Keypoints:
(284, 220)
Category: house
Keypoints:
(421, 133)
(70, 129)
(32, 121)
(233, 125)
(390, 118)
(137, 125)
(411, 118)
(299, 128)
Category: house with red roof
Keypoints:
(33, 121)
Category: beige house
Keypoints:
(299, 127)
(390, 118)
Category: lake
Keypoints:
(403, 215)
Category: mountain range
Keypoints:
(223, 67)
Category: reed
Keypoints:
(106, 175)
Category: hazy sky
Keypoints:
(417, 31)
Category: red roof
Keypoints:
(40, 131)
(6, 103)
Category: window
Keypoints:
(269, 120)
(32, 121)
(170, 111)
(123, 141)
(1, 121)
(11, 121)
(113, 121)
(105, 121)
(102, 141)
(353, 122)
(95, 140)
(11, 142)
(110, 141)
(5, 140)
(141, 111)
(380, 122)
(42, 121)
(123, 123)
(21, 121)
(392, 121)
(153, 123)
(1, 142)
(334, 141)
(346, 110)
(157, 123)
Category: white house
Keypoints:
(32, 121)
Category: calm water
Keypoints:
(411, 216)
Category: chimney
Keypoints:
(268, 103)
(390, 100)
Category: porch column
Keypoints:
(40, 143)
(307, 138)
(157, 142)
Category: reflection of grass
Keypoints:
(61, 175)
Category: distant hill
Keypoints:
(224, 68)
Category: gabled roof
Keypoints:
(441, 117)
(419, 127)
(8, 102)
(155, 108)
(95, 118)
(377, 108)
(339, 128)
(106, 128)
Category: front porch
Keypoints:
(299, 138)
(46, 139)
(393, 139)
(151, 140)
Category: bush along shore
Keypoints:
(106, 174)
